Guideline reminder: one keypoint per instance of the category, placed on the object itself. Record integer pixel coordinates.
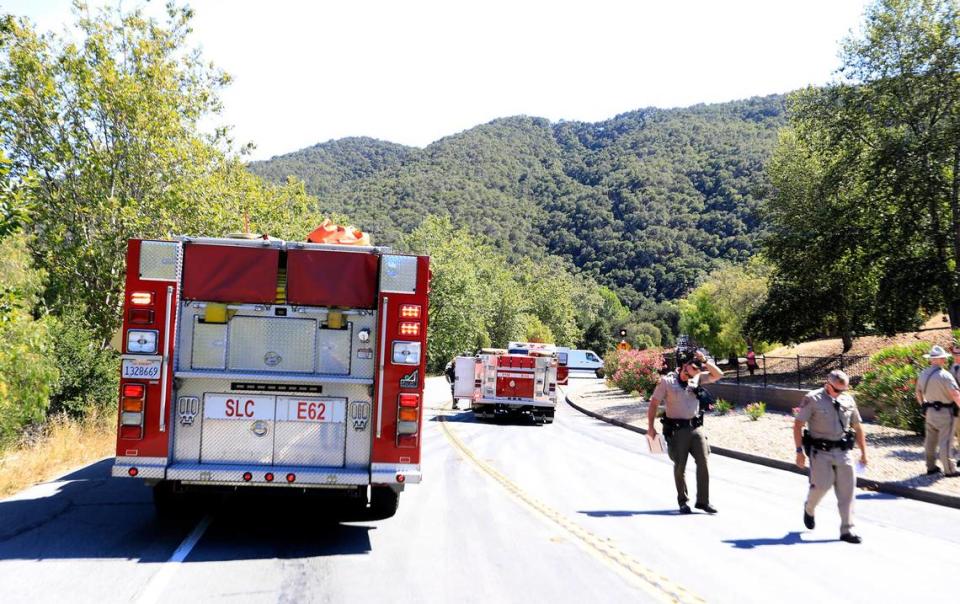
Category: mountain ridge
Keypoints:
(647, 202)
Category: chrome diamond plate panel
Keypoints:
(237, 428)
(159, 260)
(272, 344)
(296, 443)
(333, 350)
(398, 274)
(209, 345)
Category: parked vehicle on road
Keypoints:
(584, 361)
(260, 363)
(563, 373)
(515, 382)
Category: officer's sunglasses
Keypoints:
(838, 390)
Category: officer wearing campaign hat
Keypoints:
(834, 426)
(937, 392)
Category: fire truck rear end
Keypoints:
(501, 383)
(264, 363)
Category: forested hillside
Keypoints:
(647, 202)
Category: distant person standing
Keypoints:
(751, 360)
(834, 423)
(682, 424)
(450, 371)
(937, 392)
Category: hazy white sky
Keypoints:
(412, 71)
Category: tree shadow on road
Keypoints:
(791, 538)
(90, 515)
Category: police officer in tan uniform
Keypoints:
(833, 421)
(955, 372)
(682, 424)
(938, 394)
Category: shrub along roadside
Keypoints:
(637, 370)
(890, 383)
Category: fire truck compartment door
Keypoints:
(310, 431)
(466, 370)
(237, 428)
(272, 344)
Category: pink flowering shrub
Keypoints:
(889, 385)
(638, 370)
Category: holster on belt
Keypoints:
(822, 444)
(938, 405)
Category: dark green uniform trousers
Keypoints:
(684, 442)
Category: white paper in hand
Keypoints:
(656, 446)
(860, 468)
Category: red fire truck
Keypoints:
(265, 363)
(518, 381)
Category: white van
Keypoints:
(580, 362)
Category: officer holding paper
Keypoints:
(834, 422)
(678, 391)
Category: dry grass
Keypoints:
(935, 331)
(64, 444)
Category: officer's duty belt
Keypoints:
(938, 405)
(694, 422)
(822, 444)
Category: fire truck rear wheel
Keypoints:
(384, 502)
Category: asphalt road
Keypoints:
(570, 512)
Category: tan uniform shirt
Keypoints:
(824, 419)
(679, 401)
(935, 384)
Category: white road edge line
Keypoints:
(155, 586)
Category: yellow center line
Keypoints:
(655, 584)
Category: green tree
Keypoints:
(715, 314)
(109, 126)
(866, 219)
(28, 371)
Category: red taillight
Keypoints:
(268, 476)
(141, 298)
(409, 399)
(131, 432)
(133, 390)
(247, 477)
(401, 477)
(407, 441)
(133, 471)
(291, 477)
(410, 329)
(140, 316)
(409, 311)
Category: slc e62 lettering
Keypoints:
(311, 410)
(235, 408)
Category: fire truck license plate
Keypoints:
(238, 406)
(141, 369)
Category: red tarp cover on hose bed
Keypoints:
(328, 278)
(224, 273)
